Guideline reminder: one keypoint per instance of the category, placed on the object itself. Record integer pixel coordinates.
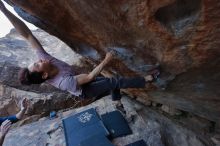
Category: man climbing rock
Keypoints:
(61, 75)
(6, 122)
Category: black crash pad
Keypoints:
(96, 140)
(138, 143)
(116, 124)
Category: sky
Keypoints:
(6, 26)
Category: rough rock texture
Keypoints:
(45, 98)
(16, 53)
(149, 125)
(182, 35)
(179, 34)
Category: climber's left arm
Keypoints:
(85, 78)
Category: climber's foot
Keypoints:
(148, 78)
(163, 82)
(153, 75)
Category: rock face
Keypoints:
(157, 130)
(181, 35)
(16, 53)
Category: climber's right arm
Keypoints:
(21, 27)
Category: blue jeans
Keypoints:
(103, 86)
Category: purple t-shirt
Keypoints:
(65, 79)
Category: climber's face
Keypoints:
(40, 66)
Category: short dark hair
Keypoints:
(27, 78)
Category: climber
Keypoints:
(6, 122)
(61, 75)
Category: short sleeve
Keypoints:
(69, 84)
(13, 119)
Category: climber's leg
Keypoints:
(103, 86)
(96, 88)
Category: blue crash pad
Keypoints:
(96, 140)
(116, 124)
(138, 143)
(82, 126)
